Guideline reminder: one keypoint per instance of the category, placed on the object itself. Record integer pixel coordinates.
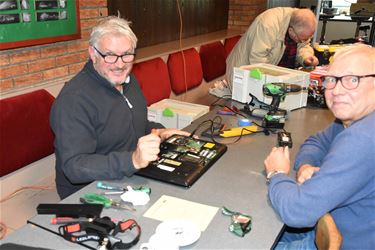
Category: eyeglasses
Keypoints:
(348, 82)
(303, 41)
(126, 58)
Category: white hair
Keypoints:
(114, 26)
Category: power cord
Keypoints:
(212, 123)
(224, 97)
(23, 189)
(180, 44)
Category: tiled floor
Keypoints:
(15, 212)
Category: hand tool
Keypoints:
(104, 186)
(92, 198)
(238, 131)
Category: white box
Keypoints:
(183, 113)
(250, 79)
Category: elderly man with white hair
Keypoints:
(336, 167)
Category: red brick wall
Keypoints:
(23, 67)
(243, 12)
(38, 65)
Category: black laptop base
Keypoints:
(183, 159)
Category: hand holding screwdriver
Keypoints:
(147, 150)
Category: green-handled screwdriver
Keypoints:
(92, 198)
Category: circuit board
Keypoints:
(183, 159)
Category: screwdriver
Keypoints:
(101, 185)
(66, 220)
(116, 189)
(92, 198)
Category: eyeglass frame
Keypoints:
(117, 56)
(307, 41)
(339, 78)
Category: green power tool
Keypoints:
(275, 117)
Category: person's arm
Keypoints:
(315, 148)
(305, 172)
(277, 161)
(312, 152)
(168, 132)
(153, 125)
(148, 146)
(305, 55)
(338, 183)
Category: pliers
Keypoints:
(92, 198)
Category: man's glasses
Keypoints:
(349, 81)
(303, 41)
(126, 58)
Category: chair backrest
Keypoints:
(327, 235)
(213, 60)
(229, 44)
(153, 78)
(192, 70)
(25, 134)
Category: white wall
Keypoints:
(336, 30)
(339, 30)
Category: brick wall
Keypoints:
(243, 12)
(23, 67)
(58, 62)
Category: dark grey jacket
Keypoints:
(95, 130)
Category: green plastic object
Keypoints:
(256, 74)
(92, 198)
(147, 190)
(168, 112)
(240, 223)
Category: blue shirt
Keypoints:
(344, 186)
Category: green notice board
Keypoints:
(31, 22)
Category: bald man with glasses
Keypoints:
(336, 167)
(100, 116)
(278, 36)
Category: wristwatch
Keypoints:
(272, 174)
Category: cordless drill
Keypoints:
(275, 117)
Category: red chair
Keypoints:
(25, 132)
(213, 60)
(229, 44)
(153, 78)
(184, 77)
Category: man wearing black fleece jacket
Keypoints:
(100, 116)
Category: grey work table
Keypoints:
(236, 180)
(33, 236)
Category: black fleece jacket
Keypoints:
(96, 130)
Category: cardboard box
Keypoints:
(175, 114)
(250, 79)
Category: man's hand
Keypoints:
(165, 133)
(147, 150)
(305, 172)
(311, 61)
(278, 160)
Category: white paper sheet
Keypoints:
(169, 208)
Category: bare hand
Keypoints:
(167, 132)
(311, 61)
(147, 150)
(278, 160)
(305, 172)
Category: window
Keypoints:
(343, 6)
